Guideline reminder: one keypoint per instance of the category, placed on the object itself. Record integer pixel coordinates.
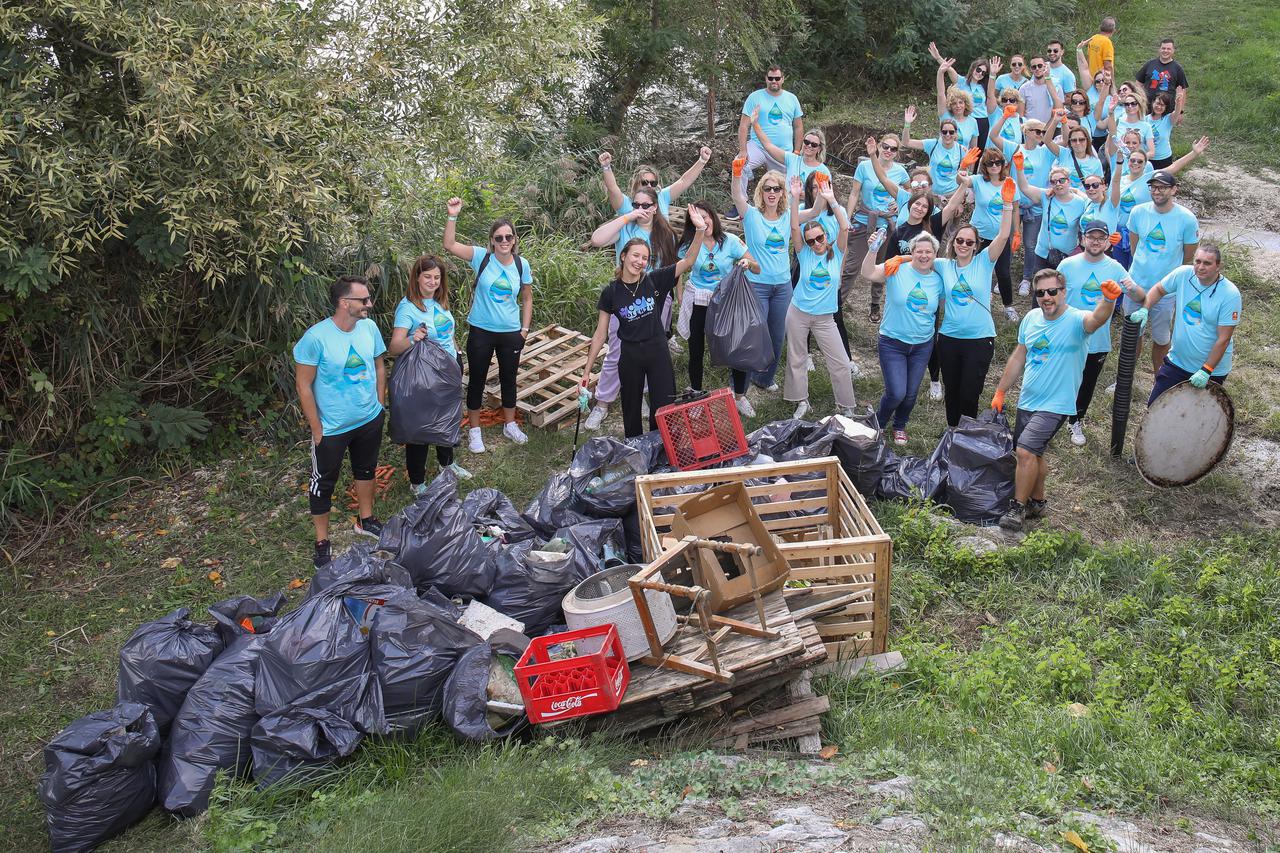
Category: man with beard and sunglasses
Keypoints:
(1050, 359)
(782, 119)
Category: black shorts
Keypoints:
(363, 443)
(1033, 431)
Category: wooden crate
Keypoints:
(837, 548)
(547, 380)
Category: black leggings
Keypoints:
(965, 362)
(482, 344)
(984, 127)
(698, 345)
(843, 332)
(1093, 363)
(647, 361)
(1003, 277)
(415, 460)
(326, 461)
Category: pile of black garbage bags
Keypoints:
(376, 649)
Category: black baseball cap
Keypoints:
(1096, 225)
(1164, 178)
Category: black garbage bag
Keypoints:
(491, 508)
(311, 732)
(245, 614)
(553, 507)
(99, 776)
(737, 334)
(426, 396)
(467, 691)
(416, 643)
(162, 659)
(980, 468)
(776, 438)
(360, 563)
(434, 539)
(863, 457)
(910, 477)
(212, 729)
(531, 590)
(604, 474)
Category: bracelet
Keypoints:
(453, 219)
(1207, 369)
(608, 167)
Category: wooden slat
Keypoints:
(826, 630)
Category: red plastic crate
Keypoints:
(591, 683)
(702, 432)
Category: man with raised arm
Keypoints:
(781, 117)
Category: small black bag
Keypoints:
(737, 335)
(426, 396)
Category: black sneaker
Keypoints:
(323, 555)
(370, 527)
(874, 314)
(1013, 518)
(1035, 508)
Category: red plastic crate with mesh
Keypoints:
(702, 432)
(586, 682)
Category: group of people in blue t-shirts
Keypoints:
(1077, 182)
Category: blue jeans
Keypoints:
(774, 300)
(902, 365)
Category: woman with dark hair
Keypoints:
(646, 222)
(1162, 117)
(767, 228)
(1076, 155)
(944, 152)
(633, 301)
(423, 313)
(993, 169)
(977, 83)
(711, 260)
(498, 321)
(1063, 207)
(811, 157)
(647, 178)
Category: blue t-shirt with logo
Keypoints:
(1011, 130)
(1055, 361)
(1089, 165)
(664, 203)
(1060, 228)
(495, 305)
(818, 287)
(910, 304)
(873, 194)
(713, 261)
(1200, 311)
(770, 244)
(944, 163)
(988, 207)
(776, 116)
(1106, 211)
(628, 232)
(1063, 77)
(1157, 239)
(797, 168)
(1084, 291)
(977, 91)
(1141, 125)
(966, 129)
(1162, 135)
(966, 297)
(1036, 163)
(1006, 81)
(1133, 193)
(346, 383)
(439, 322)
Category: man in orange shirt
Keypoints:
(1102, 53)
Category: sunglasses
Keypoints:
(948, 132)
(1092, 185)
(1036, 65)
(1130, 103)
(813, 241)
(1033, 130)
(964, 241)
(995, 164)
(812, 143)
(1048, 291)
(773, 77)
(1008, 100)
(890, 148)
(1079, 101)
(1138, 160)
(915, 185)
(364, 300)
(645, 182)
(1053, 50)
(643, 205)
(1058, 181)
(1016, 64)
(771, 189)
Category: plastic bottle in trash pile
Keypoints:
(608, 477)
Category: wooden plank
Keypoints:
(790, 714)
(872, 663)
(845, 628)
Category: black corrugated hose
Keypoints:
(1130, 335)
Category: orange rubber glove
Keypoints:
(738, 164)
(1017, 160)
(1008, 191)
(1016, 243)
(1111, 290)
(997, 401)
(821, 179)
(1010, 110)
(970, 157)
(1115, 238)
(891, 265)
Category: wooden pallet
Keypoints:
(548, 376)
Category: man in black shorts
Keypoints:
(341, 378)
(1050, 357)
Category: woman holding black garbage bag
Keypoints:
(423, 314)
(635, 298)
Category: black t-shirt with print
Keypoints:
(1157, 76)
(638, 306)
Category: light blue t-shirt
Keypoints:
(664, 203)
(770, 244)
(1063, 77)
(1036, 163)
(1060, 228)
(904, 207)
(1106, 211)
(910, 304)
(713, 261)
(818, 287)
(439, 322)
(346, 383)
(873, 193)
(966, 297)
(1157, 240)
(1089, 165)
(1011, 130)
(628, 232)
(1006, 81)
(1162, 134)
(1200, 311)
(495, 306)
(1055, 361)
(1084, 291)
(797, 168)
(944, 163)
(1142, 126)
(966, 129)
(977, 91)
(1133, 192)
(830, 226)
(988, 206)
(776, 116)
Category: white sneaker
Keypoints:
(854, 370)
(596, 418)
(673, 344)
(1077, 433)
(1011, 313)
(1024, 289)
(475, 441)
(808, 363)
(935, 390)
(772, 389)
(512, 431)
(458, 471)
(745, 408)
(801, 410)
(419, 489)
(1111, 389)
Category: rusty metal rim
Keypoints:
(1160, 482)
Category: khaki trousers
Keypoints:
(823, 328)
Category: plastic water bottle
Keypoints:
(877, 239)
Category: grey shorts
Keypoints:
(1159, 318)
(1034, 430)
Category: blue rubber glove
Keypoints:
(1139, 317)
(1199, 378)
(584, 398)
